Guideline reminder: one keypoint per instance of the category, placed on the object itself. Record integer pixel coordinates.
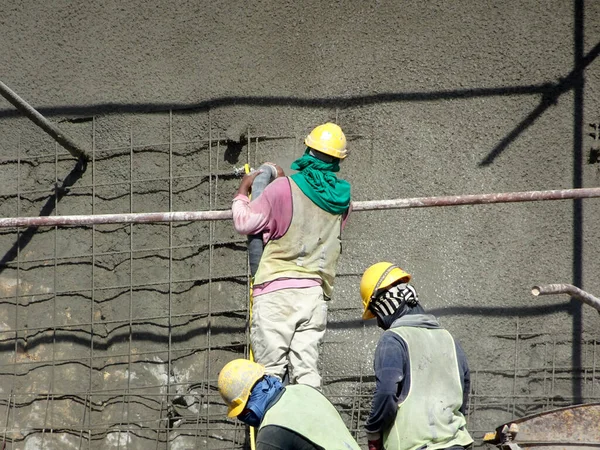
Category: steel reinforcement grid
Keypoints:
(112, 336)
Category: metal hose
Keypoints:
(255, 242)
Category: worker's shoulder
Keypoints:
(304, 388)
(303, 391)
(390, 342)
(279, 187)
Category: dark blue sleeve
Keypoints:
(465, 375)
(392, 381)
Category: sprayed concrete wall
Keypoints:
(113, 336)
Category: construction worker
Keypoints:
(422, 375)
(301, 218)
(295, 417)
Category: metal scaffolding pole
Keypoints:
(42, 122)
(573, 291)
(372, 205)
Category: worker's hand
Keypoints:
(280, 172)
(376, 444)
(246, 183)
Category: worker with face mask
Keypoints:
(301, 218)
(422, 375)
(295, 417)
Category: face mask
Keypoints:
(260, 398)
(250, 418)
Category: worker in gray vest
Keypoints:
(295, 417)
(300, 218)
(422, 375)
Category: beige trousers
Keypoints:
(289, 325)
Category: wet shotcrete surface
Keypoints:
(440, 98)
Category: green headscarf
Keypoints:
(317, 180)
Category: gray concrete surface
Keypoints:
(448, 97)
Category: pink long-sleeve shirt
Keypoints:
(270, 214)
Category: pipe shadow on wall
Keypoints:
(114, 337)
(60, 191)
(550, 92)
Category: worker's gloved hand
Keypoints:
(280, 172)
(376, 444)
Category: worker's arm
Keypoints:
(391, 370)
(270, 214)
(465, 375)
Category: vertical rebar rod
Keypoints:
(12, 395)
(197, 427)
(248, 144)
(210, 271)
(18, 281)
(126, 393)
(474, 392)
(170, 299)
(83, 418)
(93, 286)
(516, 369)
(552, 385)
(160, 420)
(584, 365)
(32, 114)
(50, 396)
(360, 385)
(545, 382)
(594, 367)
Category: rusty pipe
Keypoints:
(476, 199)
(32, 114)
(573, 291)
(373, 205)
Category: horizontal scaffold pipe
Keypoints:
(371, 205)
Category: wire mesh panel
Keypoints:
(112, 336)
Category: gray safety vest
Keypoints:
(304, 410)
(310, 247)
(429, 416)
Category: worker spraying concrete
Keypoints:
(422, 375)
(295, 417)
(301, 219)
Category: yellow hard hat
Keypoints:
(379, 276)
(235, 383)
(329, 139)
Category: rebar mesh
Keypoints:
(113, 335)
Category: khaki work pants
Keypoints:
(289, 324)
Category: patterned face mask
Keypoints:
(262, 393)
(394, 298)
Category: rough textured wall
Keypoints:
(443, 97)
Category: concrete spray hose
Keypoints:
(255, 243)
(268, 173)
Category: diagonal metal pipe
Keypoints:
(569, 289)
(32, 114)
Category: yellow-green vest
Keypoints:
(429, 416)
(310, 248)
(305, 411)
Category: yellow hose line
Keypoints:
(250, 302)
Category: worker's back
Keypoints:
(305, 412)
(430, 414)
(310, 248)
